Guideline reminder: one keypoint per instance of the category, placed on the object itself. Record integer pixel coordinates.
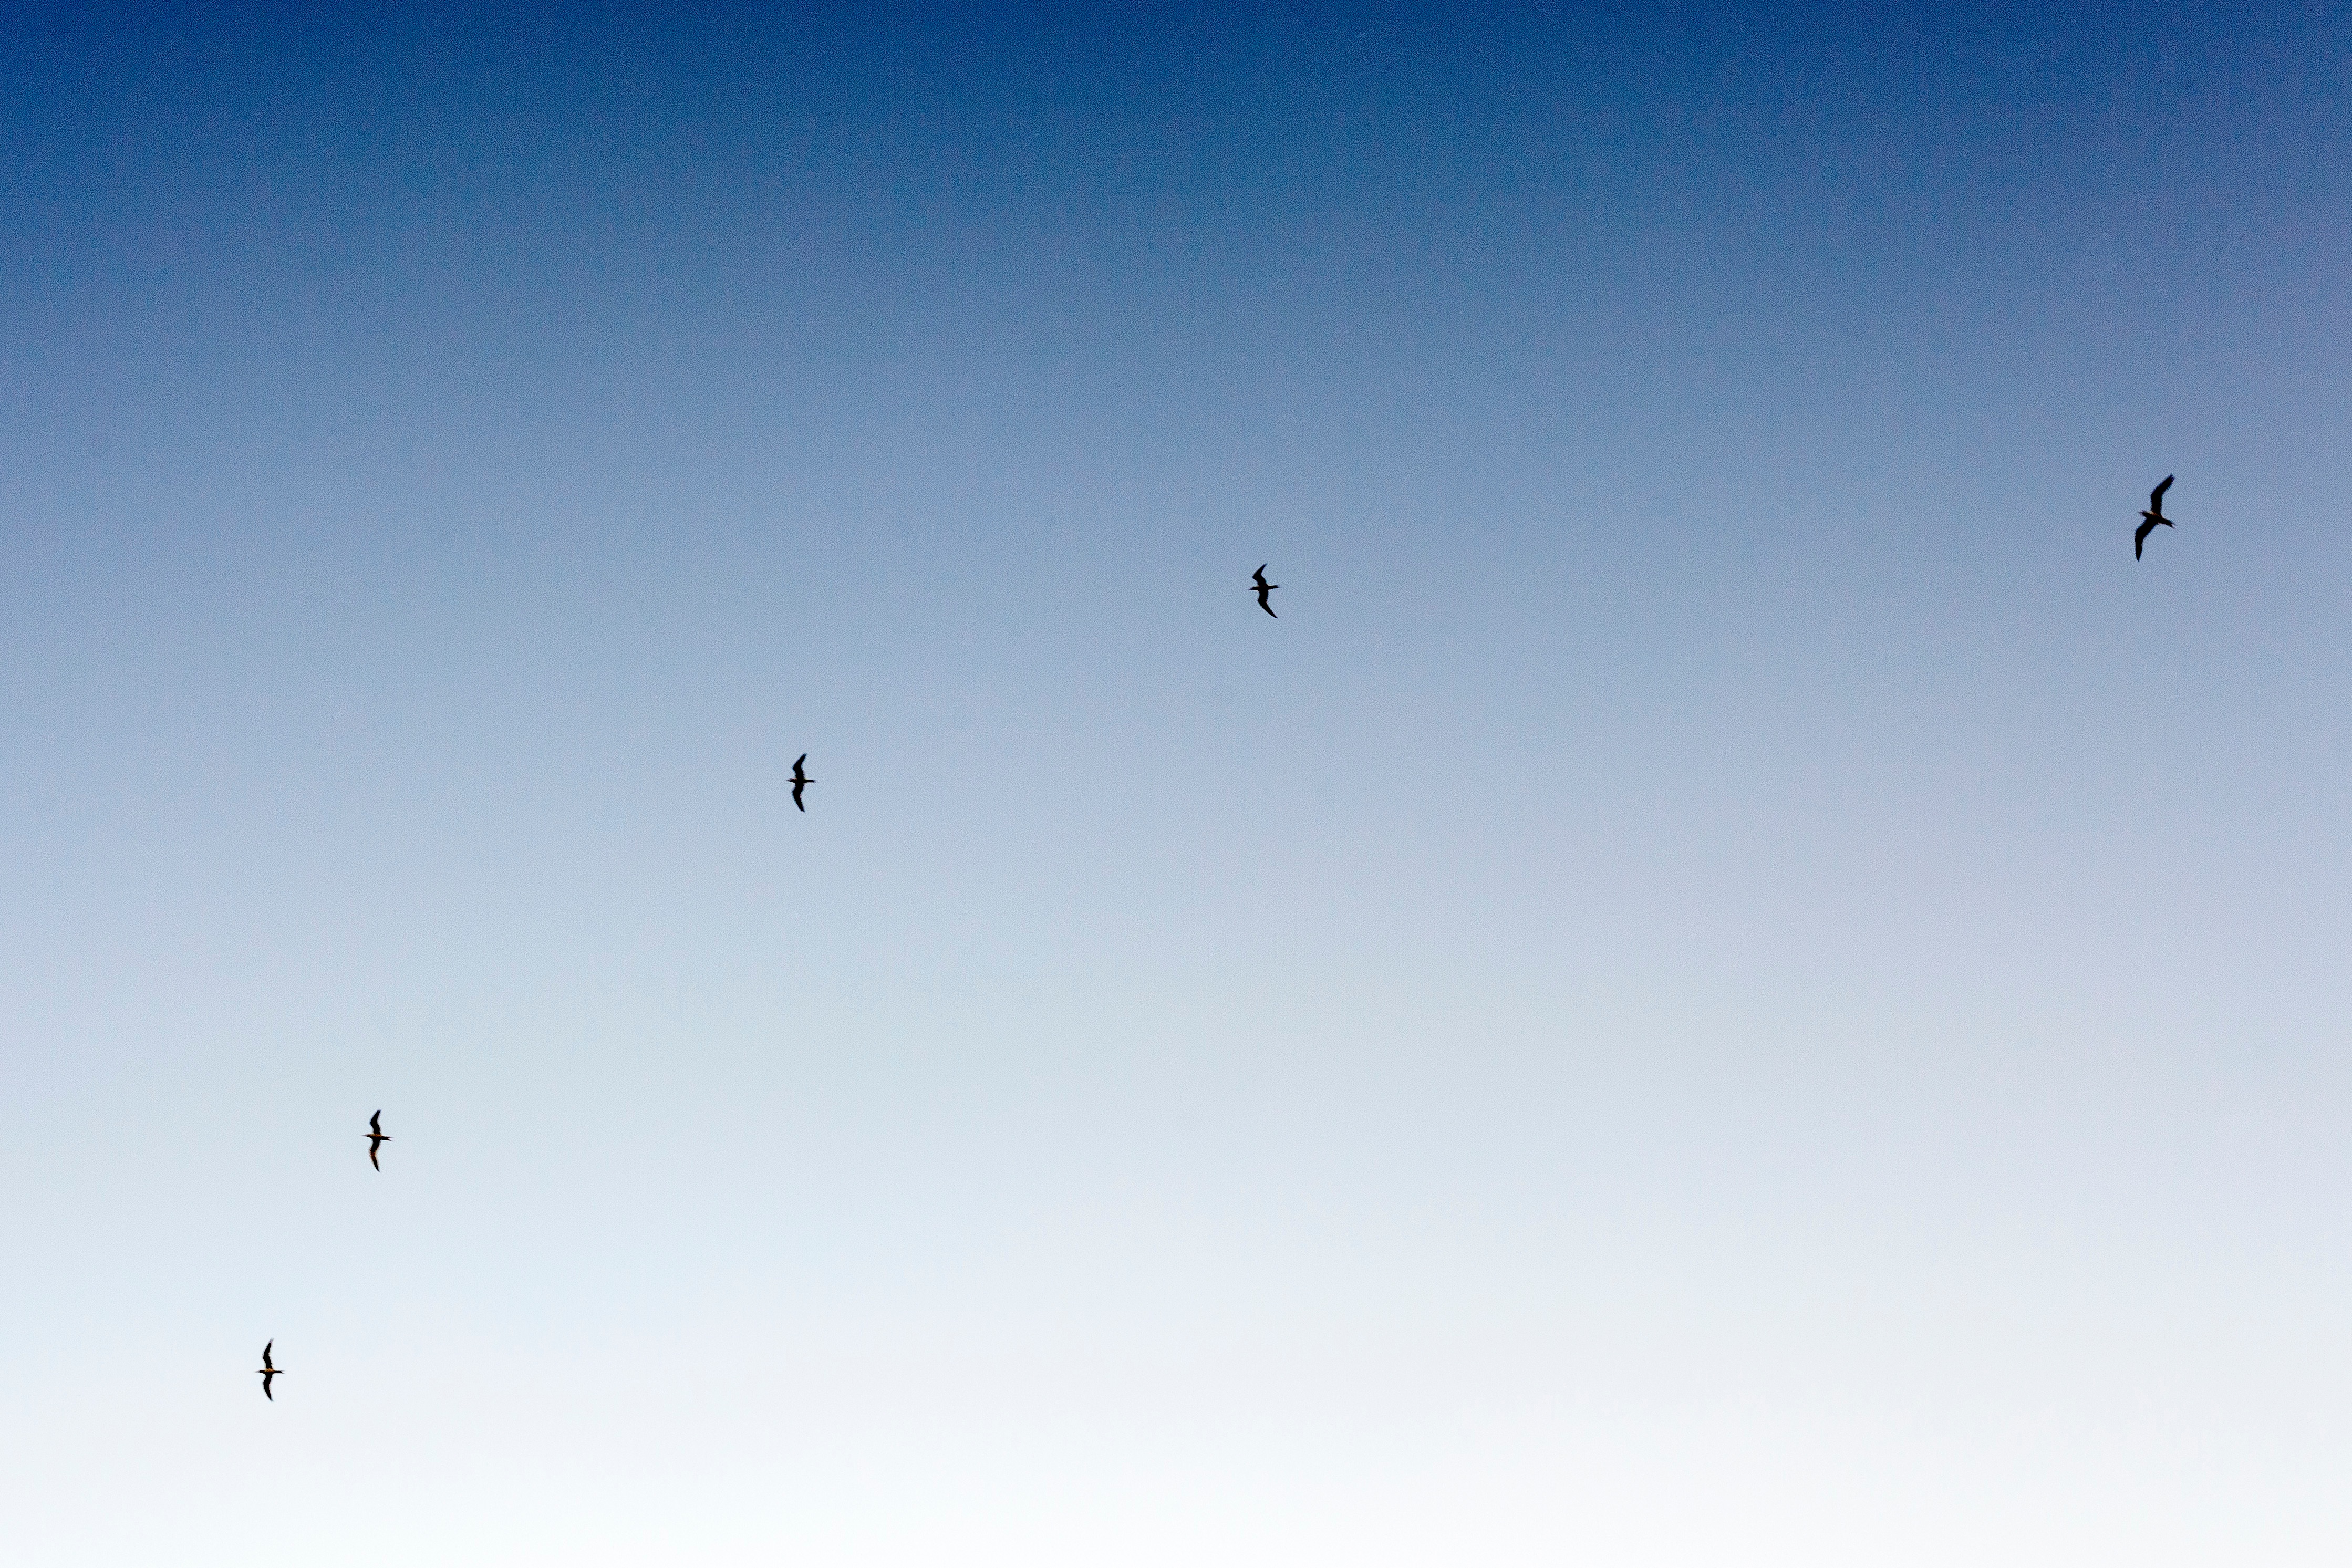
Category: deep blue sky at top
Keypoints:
(1080, 187)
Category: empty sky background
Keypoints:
(1732, 982)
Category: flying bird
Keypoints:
(2153, 515)
(268, 1371)
(801, 780)
(1263, 587)
(377, 1137)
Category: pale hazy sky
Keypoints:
(1733, 982)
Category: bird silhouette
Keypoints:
(377, 1136)
(268, 1371)
(1263, 587)
(2153, 515)
(801, 780)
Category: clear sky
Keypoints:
(1732, 982)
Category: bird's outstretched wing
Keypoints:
(796, 799)
(2140, 537)
(371, 1157)
(265, 1392)
(1258, 576)
(2156, 496)
(264, 1356)
(375, 1124)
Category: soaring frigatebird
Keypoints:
(2153, 515)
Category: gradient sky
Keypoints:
(1733, 982)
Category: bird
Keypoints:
(268, 1371)
(2153, 515)
(376, 1137)
(801, 780)
(1263, 587)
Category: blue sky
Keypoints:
(1732, 981)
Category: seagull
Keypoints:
(2154, 514)
(801, 780)
(377, 1136)
(268, 1371)
(1263, 587)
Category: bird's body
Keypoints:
(1263, 587)
(2153, 515)
(268, 1371)
(377, 1137)
(801, 780)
